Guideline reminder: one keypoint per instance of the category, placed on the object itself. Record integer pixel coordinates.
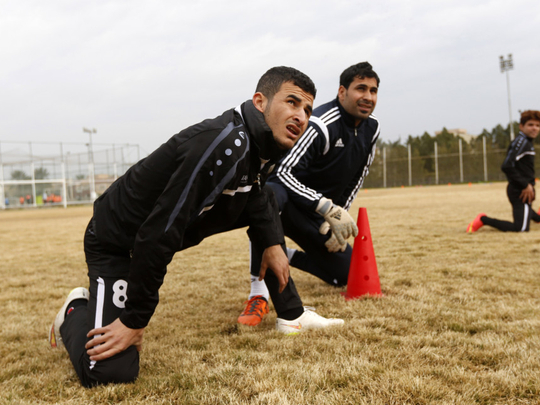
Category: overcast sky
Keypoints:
(140, 71)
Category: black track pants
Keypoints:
(108, 272)
(303, 228)
(522, 213)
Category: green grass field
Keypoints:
(458, 323)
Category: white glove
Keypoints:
(331, 244)
(341, 223)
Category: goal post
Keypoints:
(47, 179)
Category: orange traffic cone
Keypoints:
(363, 275)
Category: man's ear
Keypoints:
(341, 92)
(260, 101)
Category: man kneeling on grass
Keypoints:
(519, 169)
(207, 179)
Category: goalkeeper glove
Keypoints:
(331, 244)
(341, 223)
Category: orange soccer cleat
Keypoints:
(476, 224)
(256, 309)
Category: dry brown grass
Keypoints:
(458, 323)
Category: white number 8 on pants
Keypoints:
(119, 297)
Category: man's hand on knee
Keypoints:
(112, 339)
(527, 194)
(276, 260)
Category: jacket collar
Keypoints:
(530, 139)
(260, 132)
(347, 118)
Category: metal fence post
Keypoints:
(115, 168)
(436, 163)
(92, 181)
(485, 159)
(410, 168)
(460, 162)
(64, 179)
(384, 166)
(33, 169)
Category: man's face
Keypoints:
(360, 98)
(531, 128)
(287, 114)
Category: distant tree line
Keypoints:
(40, 173)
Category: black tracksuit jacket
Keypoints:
(519, 165)
(204, 180)
(331, 159)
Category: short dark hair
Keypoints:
(529, 115)
(360, 70)
(270, 83)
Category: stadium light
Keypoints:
(506, 65)
(91, 163)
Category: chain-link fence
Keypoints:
(47, 174)
(40, 174)
(402, 165)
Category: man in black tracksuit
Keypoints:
(320, 177)
(207, 179)
(519, 169)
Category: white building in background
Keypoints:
(462, 133)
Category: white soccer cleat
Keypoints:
(54, 334)
(308, 320)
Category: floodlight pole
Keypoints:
(91, 164)
(507, 65)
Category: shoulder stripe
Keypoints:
(332, 119)
(365, 172)
(291, 159)
(220, 187)
(226, 131)
(323, 121)
(377, 132)
(299, 149)
(330, 112)
(531, 152)
(320, 123)
(517, 149)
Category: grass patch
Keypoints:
(458, 322)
